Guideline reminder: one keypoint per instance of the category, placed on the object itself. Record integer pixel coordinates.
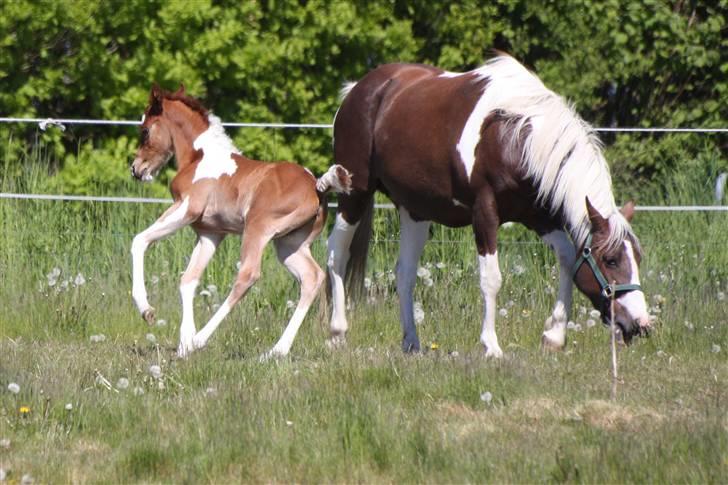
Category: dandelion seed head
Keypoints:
(161, 323)
(3, 474)
(79, 280)
(595, 314)
(423, 272)
(155, 371)
(122, 383)
(27, 479)
(151, 338)
(155, 280)
(5, 443)
(715, 348)
(518, 270)
(428, 282)
(419, 313)
(290, 304)
(14, 388)
(289, 423)
(69, 406)
(205, 293)
(720, 296)
(367, 283)
(440, 265)
(486, 397)
(503, 312)
(212, 289)
(97, 338)
(590, 323)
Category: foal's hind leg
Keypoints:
(201, 255)
(413, 239)
(554, 335)
(297, 258)
(249, 273)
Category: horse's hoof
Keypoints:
(493, 353)
(336, 341)
(149, 316)
(548, 344)
(410, 347)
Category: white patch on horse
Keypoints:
(450, 74)
(560, 151)
(490, 283)
(217, 150)
(338, 255)
(634, 301)
(457, 203)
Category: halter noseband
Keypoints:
(607, 290)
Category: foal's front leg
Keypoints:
(174, 218)
(206, 245)
(554, 335)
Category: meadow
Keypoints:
(90, 394)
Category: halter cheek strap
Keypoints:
(607, 290)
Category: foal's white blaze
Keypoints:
(217, 150)
(634, 301)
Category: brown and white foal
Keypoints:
(218, 191)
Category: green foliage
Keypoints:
(653, 63)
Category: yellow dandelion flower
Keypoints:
(24, 410)
(434, 346)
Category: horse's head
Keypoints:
(608, 264)
(155, 142)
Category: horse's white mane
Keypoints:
(560, 150)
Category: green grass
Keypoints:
(366, 412)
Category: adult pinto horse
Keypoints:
(481, 148)
(218, 191)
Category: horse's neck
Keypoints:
(183, 137)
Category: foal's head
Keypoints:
(608, 264)
(162, 115)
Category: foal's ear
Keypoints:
(598, 223)
(155, 100)
(627, 210)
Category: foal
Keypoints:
(218, 191)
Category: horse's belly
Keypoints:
(443, 210)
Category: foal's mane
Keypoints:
(560, 151)
(190, 102)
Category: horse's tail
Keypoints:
(336, 179)
(359, 252)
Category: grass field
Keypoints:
(88, 408)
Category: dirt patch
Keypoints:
(610, 415)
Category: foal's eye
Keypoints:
(144, 135)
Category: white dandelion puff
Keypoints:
(97, 338)
(595, 314)
(367, 283)
(720, 296)
(419, 313)
(715, 348)
(122, 383)
(423, 272)
(161, 323)
(503, 312)
(440, 265)
(69, 407)
(518, 270)
(155, 371)
(590, 323)
(151, 338)
(486, 397)
(14, 388)
(5, 443)
(427, 282)
(290, 304)
(79, 280)
(212, 289)
(205, 293)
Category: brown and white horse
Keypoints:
(481, 148)
(218, 191)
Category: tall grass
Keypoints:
(364, 413)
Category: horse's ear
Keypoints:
(627, 210)
(598, 222)
(180, 90)
(155, 100)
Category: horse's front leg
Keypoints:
(413, 238)
(174, 218)
(554, 335)
(204, 250)
(485, 227)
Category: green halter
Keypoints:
(606, 289)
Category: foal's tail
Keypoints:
(336, 179)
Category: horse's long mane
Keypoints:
(560, 151)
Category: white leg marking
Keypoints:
(555, 327)
(413, 238)
(490, 283)
(338, 256)
(200, 339)
(634, 301)
(201, 255)
(171, 221)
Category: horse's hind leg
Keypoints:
(249, 273)
(413, 238)
(296, 256)
(353, 218)
(554, 335)
(201, 255)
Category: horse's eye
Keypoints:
(611, 263)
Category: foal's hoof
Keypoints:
(493, 353)
(336, 341)
(149, 316)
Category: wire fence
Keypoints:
(60, 123)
